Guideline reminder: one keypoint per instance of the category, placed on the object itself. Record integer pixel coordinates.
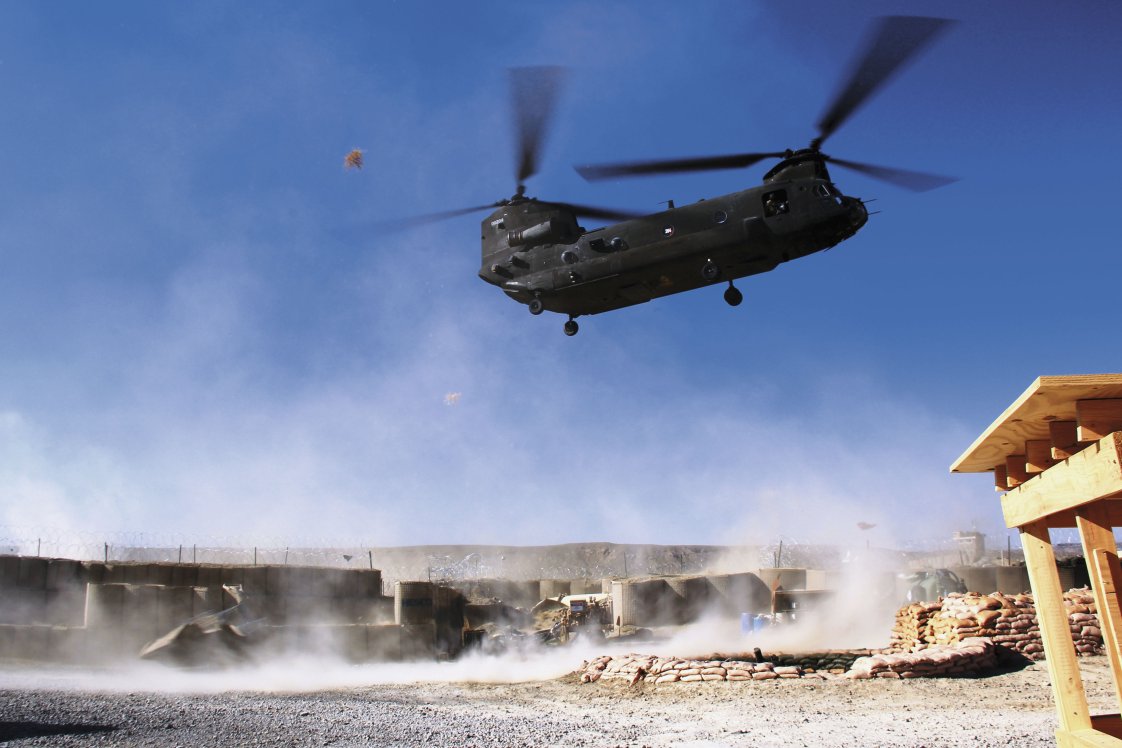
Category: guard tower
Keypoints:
(1056, 452)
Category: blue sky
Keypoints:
(205, 332)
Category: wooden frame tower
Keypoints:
(1056, 452)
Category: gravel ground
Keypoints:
(68, 708)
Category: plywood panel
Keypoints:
(1048, 399)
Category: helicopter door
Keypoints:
(775, 204)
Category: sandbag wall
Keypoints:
(1008, 620)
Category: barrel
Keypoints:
(412, 603)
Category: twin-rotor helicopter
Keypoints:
(537, 252)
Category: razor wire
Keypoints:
(509, 562)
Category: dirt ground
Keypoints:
(1007, 709)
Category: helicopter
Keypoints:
(539, 255)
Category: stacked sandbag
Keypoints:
(1009, 620)
(972, 656)
(912, 630)
(636, 668)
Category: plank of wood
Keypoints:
(1097, 418)
(1100, 549)
(1089, 738)
(1066, 519)
(1049, 398)
(1038, 455)
(1093, 474)
(1000, 479)
(1065, 441)
(1059, 648)
(1015, 472)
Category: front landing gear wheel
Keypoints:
(571, 328)
(733, 297)
(536, 306)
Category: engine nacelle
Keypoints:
(547, 232)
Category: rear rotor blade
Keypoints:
(591, 211)
(534, 92)
(594, 172)
(893, 42)
(917, 181)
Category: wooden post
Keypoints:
(1059, 648)
(1101, 552)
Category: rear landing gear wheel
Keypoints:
(710, 271)
(536, 306)
(571, 328)
(733, 296)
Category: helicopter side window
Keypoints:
(775, 203)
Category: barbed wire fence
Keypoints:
(402, 563)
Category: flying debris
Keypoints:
(353, 160)
(452, 398)
(865, 526)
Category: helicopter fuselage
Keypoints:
(539, 255)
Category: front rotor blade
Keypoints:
(591, 211)
(534, 92)
(594, 172)
(917, 181)
(893, 42)
(402, 224)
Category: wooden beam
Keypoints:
(1015, 473)
(1111, 724)
(1093, 474)
(1097, 418)
(1038, 455)
(1000, 480)
(1100, 549)
(1088, 738)
(1065, 439)
(1059, 649)
(1066, 519)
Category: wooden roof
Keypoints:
(1046, 400)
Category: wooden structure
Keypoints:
(1057, 453)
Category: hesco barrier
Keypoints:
(1013, 580)
(413, 603)
(741, 593)
(554, 588)
(694, 596)
(980, 579)
(789, 579)
(644, 602)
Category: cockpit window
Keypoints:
(824, 190)
(775, 203)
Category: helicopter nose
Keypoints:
(858, 213)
